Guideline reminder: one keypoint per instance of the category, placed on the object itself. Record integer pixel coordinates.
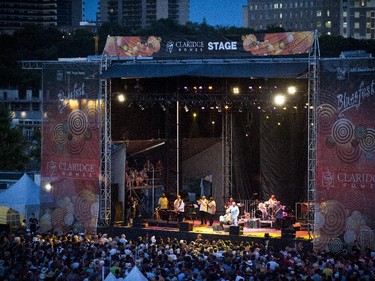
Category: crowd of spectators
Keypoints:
(24, 256)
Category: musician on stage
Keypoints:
(228, 204)
(271, 204)
(279, 215)
(234, 211)
(163, 207)
(179, 207)
(203, 207)
(211, 210)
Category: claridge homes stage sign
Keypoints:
(179, 47)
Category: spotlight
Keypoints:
(163, 108)
(186, 108)
(279, 99)
(121, 97)
(236, 90)
(292, 90)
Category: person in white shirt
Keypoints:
(234, 211)
(203, 206)
(211, 210)
(179, 207)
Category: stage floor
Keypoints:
(247, 231)
(265, 229)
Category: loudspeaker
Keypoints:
(217, 228)
(288, 233)
(235, 230)
(253, 223)
(185, 226)
(289, 221)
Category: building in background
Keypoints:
(63, 14)
(26, 107)
(348, 18)
(137, 14)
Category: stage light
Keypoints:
(278, 123)
(213, 122)
(141, 107)
(226, 106)
(48, 187)
(292, 90)
(186, 108)
(121, 97)
(163, 108)
(210, 88)
(236, 90)
(195, 115)
(279, 99)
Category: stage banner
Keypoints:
(345, 167)
(70, 165)
(210, 46)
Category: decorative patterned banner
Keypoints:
(70, 147)
(345, 180)
(270, 44)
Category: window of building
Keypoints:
(356, 25)
(318, 24)
(251, 7)
(356, 35)
(328, 13)
(319, 13)
(281, 15)
(281, 5)
(328, 24)
(356, 4)
(276, 6)
(356, 15)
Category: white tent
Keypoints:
(135, 274)
(22, 197)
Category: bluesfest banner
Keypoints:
(70, 148)
(270, 44)
(345, 178)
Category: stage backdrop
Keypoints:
(70, 147)
(345, 179)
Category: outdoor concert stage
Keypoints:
(190, 230)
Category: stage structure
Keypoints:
(160, 57)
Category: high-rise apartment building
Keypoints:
(141, 13)
(63, 14)
(348, 18)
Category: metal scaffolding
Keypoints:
(105, 160)
(227, 150)
(313, 90)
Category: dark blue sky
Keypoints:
(216, 12)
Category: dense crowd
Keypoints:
(24, 256)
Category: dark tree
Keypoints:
(12, 144)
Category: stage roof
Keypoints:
(260, 68)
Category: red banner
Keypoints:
(201, 47)
(345, 178)
(70, 148)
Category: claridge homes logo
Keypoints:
(200, 46)
(185, 46)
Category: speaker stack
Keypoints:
(186, 226)
(235, 230)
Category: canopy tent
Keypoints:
(135, 274)
(265, 68)
(21, 196)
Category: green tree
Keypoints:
(12, 144)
